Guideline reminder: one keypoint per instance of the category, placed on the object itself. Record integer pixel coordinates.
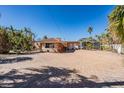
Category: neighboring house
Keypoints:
(56, 45)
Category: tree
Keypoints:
(14, 39)
(90, 30)
(98, 38)
(29, 38)
(105, 39)
(21, 40)
(4, 41)
(45, 37)
(116, 24)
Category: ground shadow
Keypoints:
(50, 77)
(69, 51)
(14, 60)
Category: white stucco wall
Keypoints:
(119, 48)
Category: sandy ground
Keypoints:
(81, 68)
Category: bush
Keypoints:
(5, 44)
(108, 48)
(89, 46)
(15, 40)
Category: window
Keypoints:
(49, 45)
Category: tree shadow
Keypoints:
(14, 60)
(50, 77)
(70, 51)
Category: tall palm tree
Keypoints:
(90, 30)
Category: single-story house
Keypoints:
(52, 45)
(57, 45)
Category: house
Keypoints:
(56, 45)
(52, 45)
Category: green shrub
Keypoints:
(15, 40)
(5, 44)
(106, 48)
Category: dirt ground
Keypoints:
(81, 68)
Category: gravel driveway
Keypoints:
(81, 68)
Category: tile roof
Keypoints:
(51, 40)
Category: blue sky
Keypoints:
(66, 22)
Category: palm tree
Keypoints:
(45, 37)
(90, 30)
(116, 24)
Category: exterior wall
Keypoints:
(73, 45)
(118, 47)
(44, 49)
(58, 46)
(123, 49)
(37, 45)
(61, 48)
